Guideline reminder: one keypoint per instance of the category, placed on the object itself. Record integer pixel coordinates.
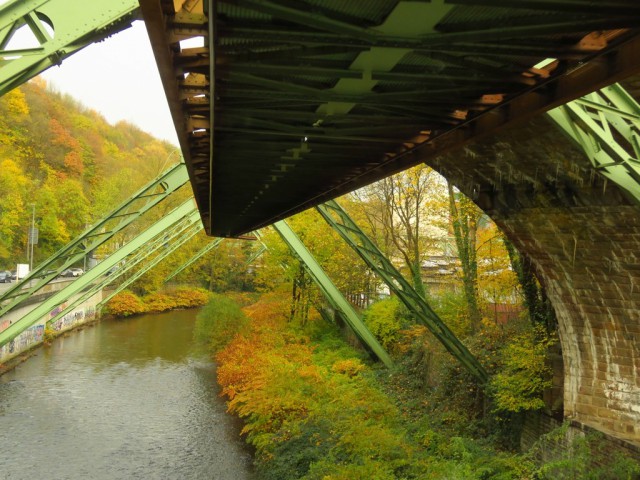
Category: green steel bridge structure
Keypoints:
(288, 105)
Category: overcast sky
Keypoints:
(119, 78)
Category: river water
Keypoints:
(124, 399)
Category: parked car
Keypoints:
(72, 272)
(14, 275)
(5, 276)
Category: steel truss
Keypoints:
(606, 125)
(37, 34)
(162, 245)
(331, 292)
(96, 235)
(206, 249)
(378, 262)
(189, 227)
(188, 210)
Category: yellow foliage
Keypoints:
(349, 367)
(16, 102)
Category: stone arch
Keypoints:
(582, 235)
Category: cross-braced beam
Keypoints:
(331, 292)
(378, 262)
(163, 245)
(37, 34)
(122, 216)
(606, 126)
(186, 210)
(203, 251)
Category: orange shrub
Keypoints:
(160, 302)
(125, 304)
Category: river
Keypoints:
(123, 399)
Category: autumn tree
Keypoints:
(401, 209)
(497, 280)
(67, 161)
(13, 184)
(465, 216)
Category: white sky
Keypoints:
(118, 78)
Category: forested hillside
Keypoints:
(70, 164)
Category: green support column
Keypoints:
(256, 255)
(187, 235)
(193, 227)
(174, 237)
(96, 235)
(203, 251)
(599, 123)
(54, 30)
(331, 291)
(375, 259)
(187, 209)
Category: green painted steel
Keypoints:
(256, 255)
(288, 104)
(42, 310)
(165, 243)
(376, 260)
(331, 291)
(96, 235)
(203, 251)
(37, 34)
(599, 123)
(193, 228)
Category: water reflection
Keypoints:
(122, 400)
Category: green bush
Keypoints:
(385, 321)
(524, 374)
(218, 322)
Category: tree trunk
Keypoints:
(535, 298)
(464, 231)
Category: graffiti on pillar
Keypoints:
(90, 313)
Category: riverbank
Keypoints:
(316, 408)
(122, 305)
(313, 407)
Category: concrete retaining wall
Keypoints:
(83, 313)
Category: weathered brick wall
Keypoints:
(559, 447)
(583, 236)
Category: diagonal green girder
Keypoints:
(75, 24)
(165, 240)
(331, 292)
(130, 210)
(606, 125)
(187, 209)
(203, 251)
(256, 255)
(377, 261)
(174, 236)
(193, 228)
